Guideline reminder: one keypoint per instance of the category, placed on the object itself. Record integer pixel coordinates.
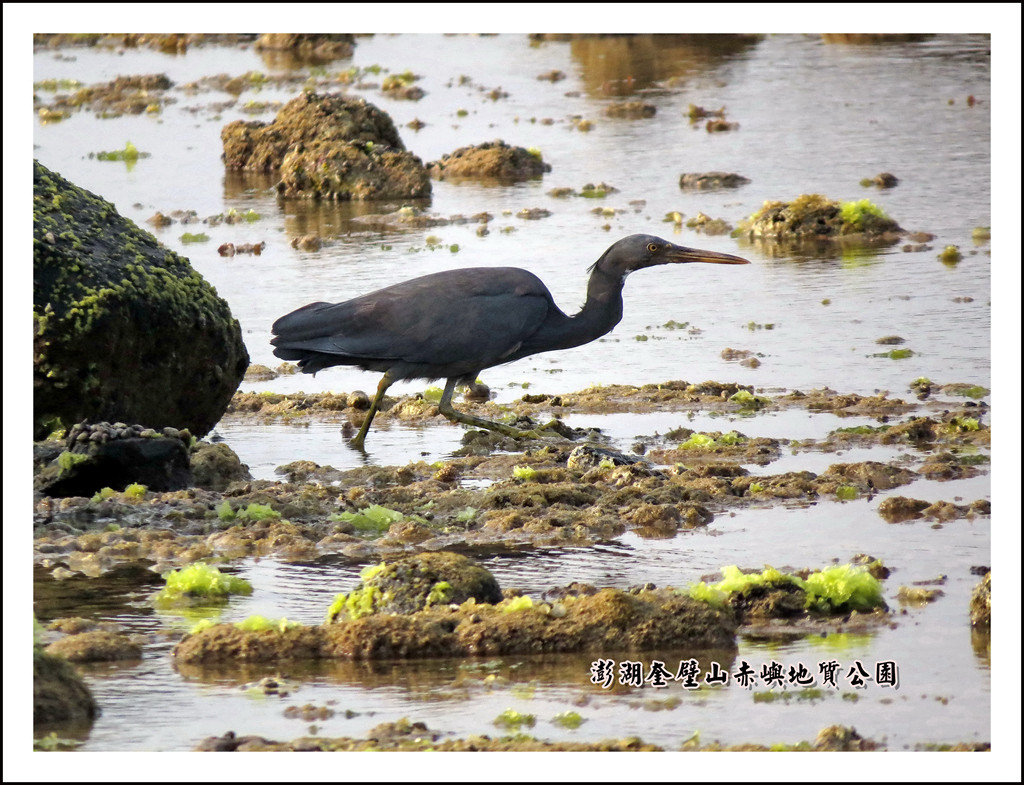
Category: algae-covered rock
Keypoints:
(328, 146)
(896, 509)
(216, 466)
(125, 329)
(58, 693)
(866, 476)
(981, 603)
(416, 582)
(490, 161)
(609, 620)
(816, 217)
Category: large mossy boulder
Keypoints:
(328, 146)
(124, 329)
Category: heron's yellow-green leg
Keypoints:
(382, 387)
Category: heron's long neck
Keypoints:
(600, 313)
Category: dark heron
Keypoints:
(455, 323)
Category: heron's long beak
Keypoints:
(682, 255)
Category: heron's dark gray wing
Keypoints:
(452, 322)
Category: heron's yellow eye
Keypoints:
(652, 247)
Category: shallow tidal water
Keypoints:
(814, 117)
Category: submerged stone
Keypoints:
(490, 161)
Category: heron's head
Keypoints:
(644, 250)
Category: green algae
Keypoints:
(526, 473)
(252, 512)
(698, 440)
(517, 604)
(440, 593)
(360, 602)
(704, 441)
(68, 460)
(257, 512)
(511, 719)
(129, 154)
(975, 391)
(898, 354)
(51, 742)
(200, 580)
(837, 589)
(951, 256)
(372, 520)
(202, 624)
(568, 719)
(963, 425)
(842, 588)
(748, 400)
(857, 213)
(356, 604)
(103, 494)
(261, 623)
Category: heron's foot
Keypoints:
(551, 428)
